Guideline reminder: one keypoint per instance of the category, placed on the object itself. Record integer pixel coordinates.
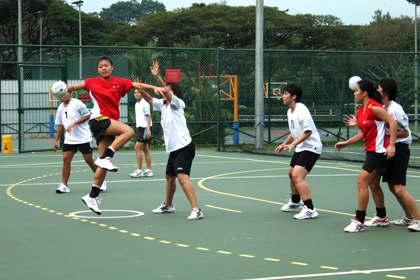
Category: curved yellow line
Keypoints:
(200, 184)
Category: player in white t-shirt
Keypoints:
(72, 116)
(305, 137)
(144, 136)
(178, 143)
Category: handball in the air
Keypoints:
(59, 89)
(353, 82)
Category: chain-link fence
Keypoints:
(218, 88)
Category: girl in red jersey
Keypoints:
(371, 119)
(106, 92)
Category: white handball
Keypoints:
(59, 89)
(353, 82)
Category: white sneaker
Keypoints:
(404, 221)
(306, 213)
(163, 208)
(378, 222)
(137, 174)
(355, 226)
(106, 163)
(148, 173)
(415, 226)
(62, 189)
(103, 187)
(195, 214)
(92, 203)
(290, 206)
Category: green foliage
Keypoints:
(130, 11)
(141, 60)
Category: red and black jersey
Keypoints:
(106, 95)
(373, 128)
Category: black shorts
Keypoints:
(84, 148)
(98, 126)
(180, 161)
(142, 135)
(305, 159)
(375, 161)
(398, 164)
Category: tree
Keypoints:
(385, 33)
(130, 11)
(234, 27)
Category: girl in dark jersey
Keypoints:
(371, 119)
(106, 92)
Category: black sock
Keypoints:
(381, 212)
(360, 215)
(108, 153)
(309, 204)
(295, 198)
(95, 191)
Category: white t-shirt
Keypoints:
(397, 112)
(66, 115)
(173, 123)
(300, 120)
(142, 111)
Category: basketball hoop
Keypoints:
(279, 96)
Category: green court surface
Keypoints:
(243, 234)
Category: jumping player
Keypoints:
(106, 92)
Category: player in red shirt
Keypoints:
(371, 119)
(106, 92)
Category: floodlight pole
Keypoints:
(416, 66)
(416, 109)
(40, 14)
(79, 4)
(259, 76)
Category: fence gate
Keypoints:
(35, 109)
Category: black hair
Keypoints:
(104, 58)
(389, 86)
(369, 87)
(294, 89)
(176, 89)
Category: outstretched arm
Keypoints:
(155, 72)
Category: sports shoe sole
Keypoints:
(98, 213)
(58, 191)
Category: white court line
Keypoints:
(29, 164)
(59, 154)
(191, 179)
(136, 214)
(336, 273)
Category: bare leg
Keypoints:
(293, 188)
(188, 188)
(147, 156)
(377, 193)
(66, 170)
(406, 201)
(170, 189)
(139, 155)
(90, 161)
(124, 132)
(298, 176)
(363, 181)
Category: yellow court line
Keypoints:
(200, 184)
(395, 276)
(224, 209)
